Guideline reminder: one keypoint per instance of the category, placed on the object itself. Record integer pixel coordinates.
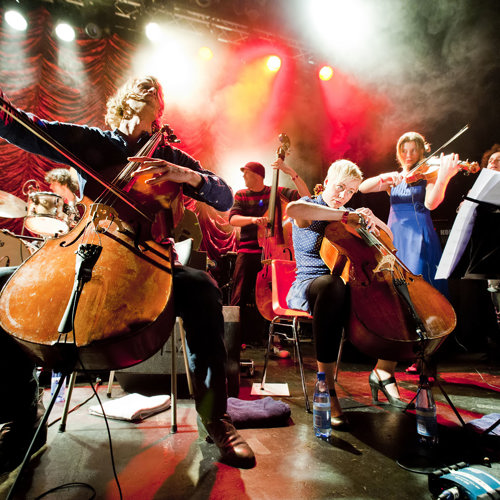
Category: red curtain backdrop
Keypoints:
(42, 76)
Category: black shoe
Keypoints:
(15, 440)
(234, 449)
(340, 423)
(379, 385)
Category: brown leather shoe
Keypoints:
(234, 449)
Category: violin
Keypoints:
(428, 169)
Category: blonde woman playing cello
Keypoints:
(324, 295)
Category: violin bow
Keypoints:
(458, 134)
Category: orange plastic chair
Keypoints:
(283, 275)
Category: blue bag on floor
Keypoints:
(264, 412)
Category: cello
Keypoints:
(62, 308)
(275, 239)
(395, 314)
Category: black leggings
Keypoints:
(328, 298)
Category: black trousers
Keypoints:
(328, 298)
(246, 269)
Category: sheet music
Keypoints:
(486, 189)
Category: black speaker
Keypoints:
(152, 376)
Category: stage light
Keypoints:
(325, 73)
(153, 32)
(65, 32)
(16, 20)
(204, 4)
(205, 53)
(273, 63)
(343, 27)
(93, 30)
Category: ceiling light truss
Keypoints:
(170, 13)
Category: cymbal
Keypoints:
(11, 206)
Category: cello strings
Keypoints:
(121, 180)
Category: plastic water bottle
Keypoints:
(425, 410)
(322, 408)
(56, 376)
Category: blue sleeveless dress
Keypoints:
(415, 238)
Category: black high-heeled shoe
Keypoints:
(379, 385)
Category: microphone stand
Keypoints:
(86, 258)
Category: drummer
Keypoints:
(64, 182)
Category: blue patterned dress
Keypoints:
(415, 238)
(306, 243)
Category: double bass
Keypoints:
(275, 239)
(77, 298)
(395, 314)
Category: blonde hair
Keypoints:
(138, 89)
(422, 145)
(344, 170)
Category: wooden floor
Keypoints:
(377, 459)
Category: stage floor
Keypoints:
(377, 459)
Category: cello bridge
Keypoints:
(386, 263)
(103, 216)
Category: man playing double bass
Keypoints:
(249, 213)
(133, 113)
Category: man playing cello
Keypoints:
(133, 113)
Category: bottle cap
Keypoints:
(321, 375)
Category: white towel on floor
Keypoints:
(132, 407)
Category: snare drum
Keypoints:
(46, 214)
(13, 251)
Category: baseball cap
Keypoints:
(255, 167)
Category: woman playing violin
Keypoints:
(326, 296)
(411, 202)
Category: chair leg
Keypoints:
(110, 383)
(266, 359)
(186, 362)
(339, 356)
(173, 383)
(69, 392)
(301, 365)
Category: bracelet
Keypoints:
(294, 177)
(345, 215)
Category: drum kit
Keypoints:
(45, 214)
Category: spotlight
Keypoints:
(16, 20)
(205, 53)
(273, 63)
(204, 4)
(325, 73)
(153, 32)
(65, 32)
(93, 30)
